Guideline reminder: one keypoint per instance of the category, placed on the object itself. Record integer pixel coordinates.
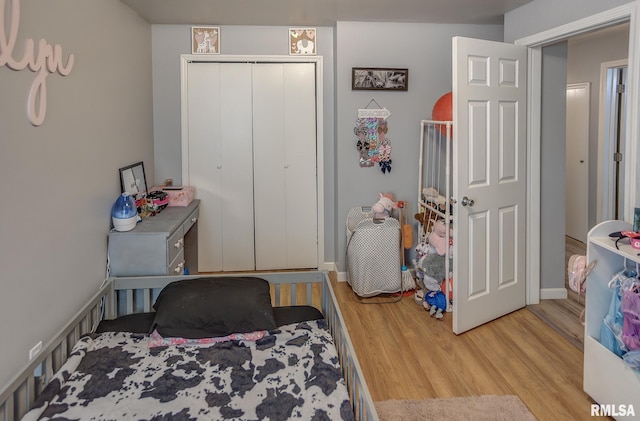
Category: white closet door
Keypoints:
(220, 165)
(285, 196)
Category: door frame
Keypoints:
(605, 143)
(625, 13)
(229, 58)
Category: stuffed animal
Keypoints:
(433, 196)
(438, 237)
(437, 303)
(383, 207)
(433, 268)
(431, 271)
(425, 219)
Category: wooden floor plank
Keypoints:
(407, 354)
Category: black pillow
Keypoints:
(295, 314)
(135, 323)
(212, 307)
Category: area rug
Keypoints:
(476, 408)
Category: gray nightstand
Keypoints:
(164, 244)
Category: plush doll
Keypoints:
(433, 196)
(437, 303)
(433, 267)
(430, 267)
(438, 237)
(383, 207)
(425, 220)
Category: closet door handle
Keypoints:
(467, 202)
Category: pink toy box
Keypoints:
(178, 195)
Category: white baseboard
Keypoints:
(327, 266)
(553, 293)
(545, 293)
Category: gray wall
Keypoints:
(425, 49)
(541, 15)
(585, 55)
(169, 41)
(346, 184)
(60, 179)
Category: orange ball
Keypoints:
(443, 111)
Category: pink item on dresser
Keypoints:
(178, 195)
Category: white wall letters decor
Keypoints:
(43, 61)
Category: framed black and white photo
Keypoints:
(133, 180)
(378, 78)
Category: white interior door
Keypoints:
(489, 180)
(577, 161)
(284, 130)
(219, 163)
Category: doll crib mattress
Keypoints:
(290, 371)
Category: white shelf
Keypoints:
(607, 379)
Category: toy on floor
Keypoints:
(383, 207)
(437, 303)
(433, 272)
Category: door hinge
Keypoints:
(617, 157)
(620, 88)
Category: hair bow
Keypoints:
(385, 150)
(385, 166)
(362, 145)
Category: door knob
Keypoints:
(467, 202)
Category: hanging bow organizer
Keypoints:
(373, 261)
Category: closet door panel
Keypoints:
(220, 165)
(237, 167)
(203, 85)
(300, 165)
(269, 161)
(285, 166)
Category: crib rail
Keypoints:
(361, 401)
(121, 296)
(18, 396)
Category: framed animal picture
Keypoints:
(205, 40)
(302, 41)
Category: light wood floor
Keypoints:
(406, 354)
(565, 315)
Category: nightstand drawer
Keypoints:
(175, 243)
(191, 219)
(177, 265)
